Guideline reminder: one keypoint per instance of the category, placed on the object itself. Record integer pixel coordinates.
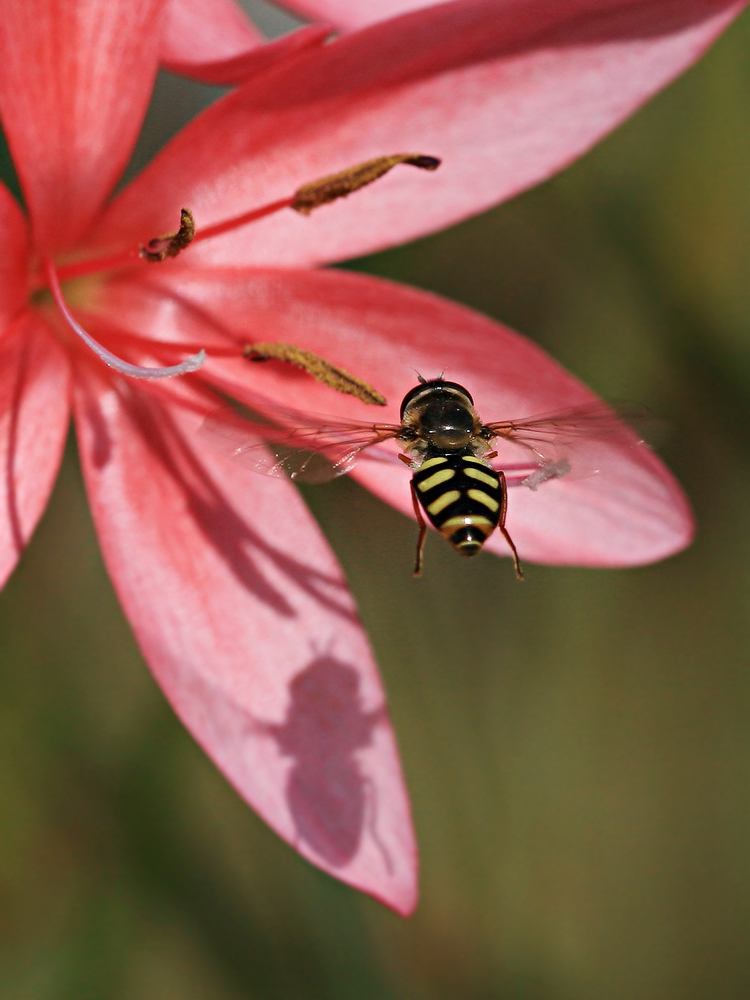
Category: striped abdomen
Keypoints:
(463, 497)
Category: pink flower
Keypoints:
(237, 602)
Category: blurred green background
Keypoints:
(577, 748)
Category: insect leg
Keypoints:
(501, 525)
(422, 530)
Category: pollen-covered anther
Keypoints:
(328, 189)
(171, 244)
(317, 367)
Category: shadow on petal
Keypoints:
(331, 799)
(225, 529)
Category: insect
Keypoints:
(453, 483)
(443, 441)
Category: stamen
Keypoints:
(124, 367)
(171, 244)
(328, 189)
(304, 200)
(241, 220)
(156, 251)
(318, 367)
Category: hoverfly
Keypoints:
(444, 442)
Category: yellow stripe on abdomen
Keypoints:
(483, 477)
(452, 524)
(443, 501)
(484, 498)
(436, 479)
(437, 460)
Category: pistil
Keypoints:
(190, 364)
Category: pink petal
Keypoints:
(505, 95)
(34, 410)
(355, 13)
(242, 612)
(14, 266)
(215, 42)
(632, 512)
(75, 79)
(253, 62)
(206, 31)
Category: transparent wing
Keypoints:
(572, 441)
(317, 450)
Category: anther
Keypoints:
(190, 364)
(171, 244)
(339, 185)
(317, 367)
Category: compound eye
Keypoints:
(438, 385)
